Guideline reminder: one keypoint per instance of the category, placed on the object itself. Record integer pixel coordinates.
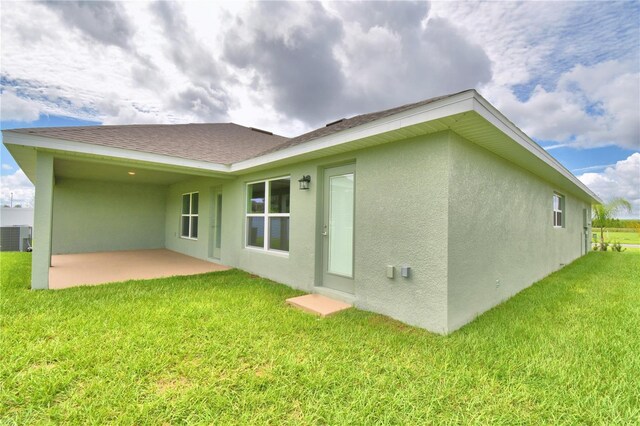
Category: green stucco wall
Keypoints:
(92, 216)
(458, 215)
(501, 234)
(400, 218)
(197, 248)
(298, 268)
(391, 228)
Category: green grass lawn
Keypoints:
(223, 348)
(623, 237)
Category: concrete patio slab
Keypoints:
(70, 270)
(318, 304)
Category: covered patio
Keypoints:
(71, 270)
(105, 220)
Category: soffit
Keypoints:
(92, 170)
(477, 130)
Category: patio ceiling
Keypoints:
(94, 170)
(100, 167)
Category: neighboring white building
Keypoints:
(16, 224)
(16, 216)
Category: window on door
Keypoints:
(189, 217)
(268, 213)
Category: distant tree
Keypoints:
(630, 223)
(604, 213)
(17, 206)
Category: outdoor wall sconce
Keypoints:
(304, 182)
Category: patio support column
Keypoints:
(42, 221)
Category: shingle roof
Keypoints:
(358, 120)
(223, 143)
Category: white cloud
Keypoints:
(66, 72)
(620, 180)
(517, 36)
(20, 186)
(572, 59)
(592, 168)
(7, 166)
(556, 146)
(317, 63)
(15, 108)
(589, 107)
(139, 68)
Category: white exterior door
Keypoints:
(338, 232)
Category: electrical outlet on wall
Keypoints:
(405, 271)
(498, 283)
(390, 271)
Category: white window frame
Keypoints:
(266, 215)
(561, 209)
(190, 215)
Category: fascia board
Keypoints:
(10, 138)
(456, 104)
(460, 103)
(502, 123)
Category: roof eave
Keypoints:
(501, 122)
(459, 103)
(72, 147)
(466, 101)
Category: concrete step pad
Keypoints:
(318, 304)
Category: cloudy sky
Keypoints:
(567, 73)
